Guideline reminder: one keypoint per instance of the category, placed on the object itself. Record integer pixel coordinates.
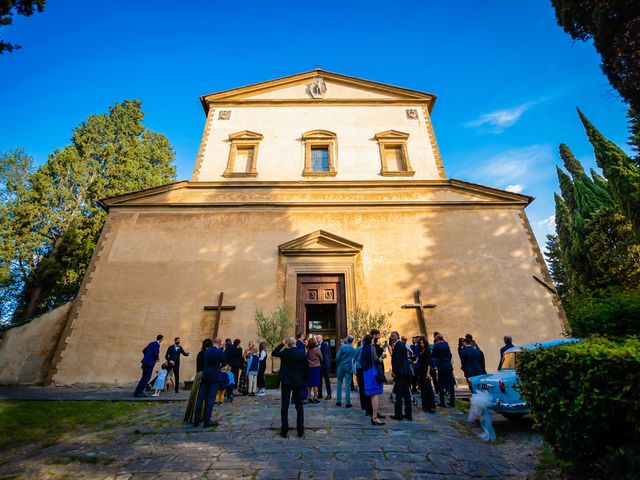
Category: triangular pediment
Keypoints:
(333, 87)
(245, 135)
(391, 135)
(320, 243)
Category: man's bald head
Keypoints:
(290, 341)
(217, 342)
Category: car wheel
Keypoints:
(513, 416)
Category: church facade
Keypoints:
(318, 192)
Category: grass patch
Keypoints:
(463, 406)
(548, 467)
(24, 422)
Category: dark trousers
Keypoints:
(176, 375)
(144, 380)
(426, 391)
(446, 383)
(403, 393)
(288, 393)
(207, 393)
(415, 381)
(365, 402)
(327, 381)
(260, 381)
(236, 376)
(434, 379)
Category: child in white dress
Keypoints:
(160, 380)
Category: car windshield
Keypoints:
(508, 361)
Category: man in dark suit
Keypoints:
(401, 372)
(299, 342)
(442, 358)
(472, 360)
(212, 380)
(233, 356)
(151, 354)
(325, 367)
(173, 359)
(293, 367)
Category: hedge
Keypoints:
(613, 313)
(584, 399)
(271, 380)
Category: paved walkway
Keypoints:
(339, 444)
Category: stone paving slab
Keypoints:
(339, 443)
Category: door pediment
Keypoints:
(319, 243)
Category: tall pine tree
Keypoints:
(57, 220)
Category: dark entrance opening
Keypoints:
(321, 310)
(321, 320)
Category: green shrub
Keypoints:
(271, 380)
(584, 399)
(609, 312)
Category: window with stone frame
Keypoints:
(320, 148)
(394, 157)
(243, 154)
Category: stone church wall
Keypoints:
(26, 351)
(158, 267)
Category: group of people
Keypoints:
(245, 369)
(171, 367)
(223, 368)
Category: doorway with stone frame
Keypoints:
(321, 309)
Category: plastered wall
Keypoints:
(25, 351)
(159, 267)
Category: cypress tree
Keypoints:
(622, 174)
(557, 266)
(571, 163)
(566, 189)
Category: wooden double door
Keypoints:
(321, 310)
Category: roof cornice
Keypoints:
(236, 95)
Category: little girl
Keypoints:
(223, 387)
(253, 365)
(160, 379)
(228, 394)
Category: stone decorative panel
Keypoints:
(224, 115)
(313, 295)
(412, 114)
(328, 295)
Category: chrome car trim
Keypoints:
(511, 406)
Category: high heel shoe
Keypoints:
(377, 423)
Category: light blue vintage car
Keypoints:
(503, 385)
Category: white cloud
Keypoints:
(549, 223)
(515, 166)
(498, 120)
(517, 188)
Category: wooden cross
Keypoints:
(419, 306)
(218, 309)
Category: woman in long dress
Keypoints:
(195, 388)
(372, 387)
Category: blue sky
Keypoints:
(508, 79)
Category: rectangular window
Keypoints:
(320, 159)
(244, 160)
(394, 158)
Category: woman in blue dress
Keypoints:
(373, 388)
